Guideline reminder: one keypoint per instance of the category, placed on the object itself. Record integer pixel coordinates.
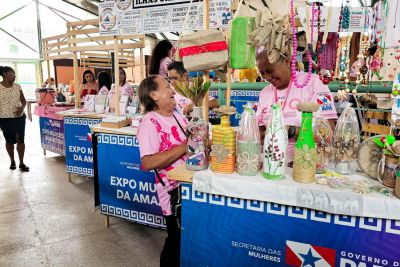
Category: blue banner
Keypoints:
(126, 191)
(52, 135)
(223, 231)
(239, 98)
(78, 145)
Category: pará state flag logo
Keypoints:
(324, 99)
(307, 255)
(89, 137)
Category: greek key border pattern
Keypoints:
(80, 170)
(53, 149)
(132, 215)
(250, 93)
(81, 121)
(371, 224)
(115, 139)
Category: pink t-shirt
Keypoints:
(158, 133)
(163, 72)
(315, 92)
(125, 89)
(103, 91)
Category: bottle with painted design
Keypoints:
(275, 144)
(305, 153)
(197, 132)
(223, 147)
(248, 143)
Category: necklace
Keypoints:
(293, 66)
(318, 50)
(335, 55)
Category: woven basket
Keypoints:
(242, 53)
(397, 186)
(205, 60)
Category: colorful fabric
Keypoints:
(315, 92)
(158, 133)
(9, 100)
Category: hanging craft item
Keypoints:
(197, 129)
(223, 143)
(323, 137)
(271, 31)
(293, 65)
(242, 52)
(248, 143)
(275, 144)
(346, 17)
(203, 50)
(346, 142)
(305, 154)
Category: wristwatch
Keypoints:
(291, 132)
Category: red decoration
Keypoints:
(210, 47)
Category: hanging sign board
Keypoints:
(357, 21)
(118, 17)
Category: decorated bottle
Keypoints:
(275, 144)
(223, 147)
(248, 143)
(346, 141)
(305, 153)
(323, 137)
(197, 132)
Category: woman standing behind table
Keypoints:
(104, 81)
(283, 90)
(124, 89)
(89, 85)
(160, 59)
(162, 144)
(12, 116)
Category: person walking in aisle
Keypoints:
(12, 116)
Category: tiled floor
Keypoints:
(47, 221)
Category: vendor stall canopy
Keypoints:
(23, 23)
(44, 18)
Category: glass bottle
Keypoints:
(305, 153)
(248, 143)
(197, 132)
(275, 144)
(223, 147)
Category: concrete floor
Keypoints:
(47, 221)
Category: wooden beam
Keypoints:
(64, 56)
(82, 32)
(93, 22)
(103, 47)
(55, 37)
(103, 38)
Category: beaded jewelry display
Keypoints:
(337, 43)
(346, 16)
(293, 66)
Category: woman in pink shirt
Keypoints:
(125, 89)
(160, 58)
(282, 90)
(162, 144)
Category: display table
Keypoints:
(122, 189)
(51, 128)
(282, 224)
(78, 141)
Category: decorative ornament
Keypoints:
(275, 144)
(305, 154)
(248, 145)
(346, 141)
(224, 143)
(323, 137)
(293, 19)
(346, 17)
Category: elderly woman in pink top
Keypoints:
(282, 90)
(162, 145)
(160, 58)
